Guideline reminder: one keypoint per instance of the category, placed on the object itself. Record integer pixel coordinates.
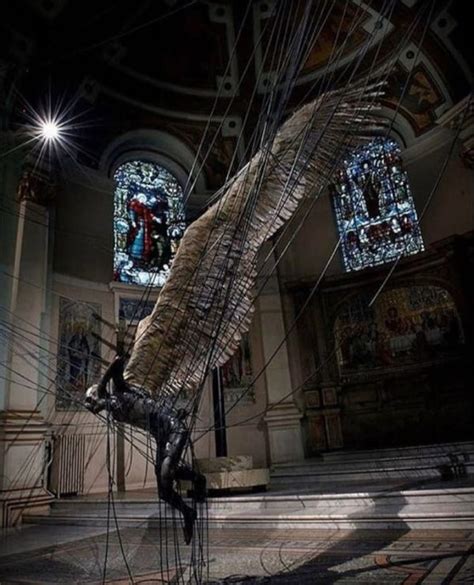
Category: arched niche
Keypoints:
(149, 222)
(150, 213)
(161, 148)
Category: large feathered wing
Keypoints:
(206, 304)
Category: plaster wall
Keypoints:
(83, 256)
(84, 251)
(450, 211)
(84, 229)
(443, 186)
(9, 212)
(80, 421)
(244, 437)
(451, 208)
(139, 450)
(246, 433)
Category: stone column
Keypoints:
(22, 427)
(283, 416)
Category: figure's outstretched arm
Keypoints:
(116, 373)
(97, 395)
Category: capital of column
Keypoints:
(36, 186)
(461, 118)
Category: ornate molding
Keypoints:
(375, 26)
(461, 119)
(22, 426)
(36, 187)
(226, 84)
(443, 26)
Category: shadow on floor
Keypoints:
(364, 555)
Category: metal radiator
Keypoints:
(68, 465)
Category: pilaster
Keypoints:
(283, 418)
(23, 461)
(460, 118)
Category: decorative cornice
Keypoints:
(461, 119)
(36, 187)
(283, 414)
(63, 279)
(22, 426)
(436, 255)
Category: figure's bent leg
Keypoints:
(175, 447)
(187, 473)
(168, 469)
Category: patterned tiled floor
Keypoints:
(247, 556)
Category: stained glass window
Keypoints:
(374, 208)
(148, 222)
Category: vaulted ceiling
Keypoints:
(186, 66)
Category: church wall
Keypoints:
(242, 440)
(451, 211)
(84, 229)
(204, 444)
(9, 210)
(312, 244)
(243, 437)
(383, 380)
(138, 455)
(76, 420)
(248, 437)
(353, 414)
(83, 250)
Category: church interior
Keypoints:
(300, 172)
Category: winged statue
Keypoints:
(206, 304)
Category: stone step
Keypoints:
(417, 462)
(396, 452)
(379, 521)
(322, 466)
(265, 502)
(346, 474)
(434, 508)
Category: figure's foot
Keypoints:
(200, 488)
(189, 520)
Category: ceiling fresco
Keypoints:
(417, 94)
(188, 66)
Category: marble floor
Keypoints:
(64, 554)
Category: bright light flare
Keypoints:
(50, 130)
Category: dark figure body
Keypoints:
(166, 425)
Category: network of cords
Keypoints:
(299, 165)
